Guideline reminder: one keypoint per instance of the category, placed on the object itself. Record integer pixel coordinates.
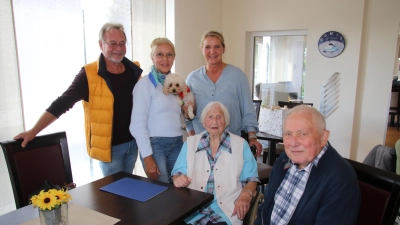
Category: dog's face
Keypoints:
(174, 84)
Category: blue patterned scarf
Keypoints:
(156, 76)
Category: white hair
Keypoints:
(209, 106)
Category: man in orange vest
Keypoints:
(105, 87)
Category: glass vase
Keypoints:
(54, 217)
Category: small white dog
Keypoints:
(175, 84)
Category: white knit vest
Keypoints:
(227, 172)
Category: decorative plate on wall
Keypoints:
(331, 44)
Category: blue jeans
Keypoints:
(165, 153)
(123, 158)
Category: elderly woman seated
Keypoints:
(221, 163)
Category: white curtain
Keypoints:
(148, 22)
(98, 12)
(51, 52)
(10, 99)
(287, 61)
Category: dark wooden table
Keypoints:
(273, 140)
(169, 207)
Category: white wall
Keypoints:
(366, 65)
(396, 69)
(192, 19)
(378, 51)
(279, 15)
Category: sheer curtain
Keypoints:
(51, 52)
(54, 39)
(148, 22)
(279, 66)
(10, 99)
(98, 12)
(287, 61)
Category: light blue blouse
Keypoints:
(232, 89)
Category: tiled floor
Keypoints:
(84, 170)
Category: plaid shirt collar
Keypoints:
(224, 144)
(291, 190)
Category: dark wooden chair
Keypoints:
(380, 194)
(264, 170)
(257, 106)
(44, 158)
(394, 113)
(292, 104)
(279, 147)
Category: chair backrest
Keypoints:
(292, 104)
(257, 106)
(45, 157)
(380, 194)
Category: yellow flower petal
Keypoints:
(46, 201)
(67, 196)
(60, 195)
(51, 199)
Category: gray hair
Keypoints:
(108, 26)
(209, 106)
(317, 117)
(159, 41)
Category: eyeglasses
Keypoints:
(161, 55)
(114, 44)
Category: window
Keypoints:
(279, 66)
(55, 39)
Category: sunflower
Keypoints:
(67, 196)
(45, 200)
(60, 195)
(51, 199)
(34, 200)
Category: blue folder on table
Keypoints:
(134, 189)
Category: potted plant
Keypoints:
(52, 205)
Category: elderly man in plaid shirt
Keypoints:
(310, 183)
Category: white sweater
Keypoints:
(153, 115)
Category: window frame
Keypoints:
(251, 50)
